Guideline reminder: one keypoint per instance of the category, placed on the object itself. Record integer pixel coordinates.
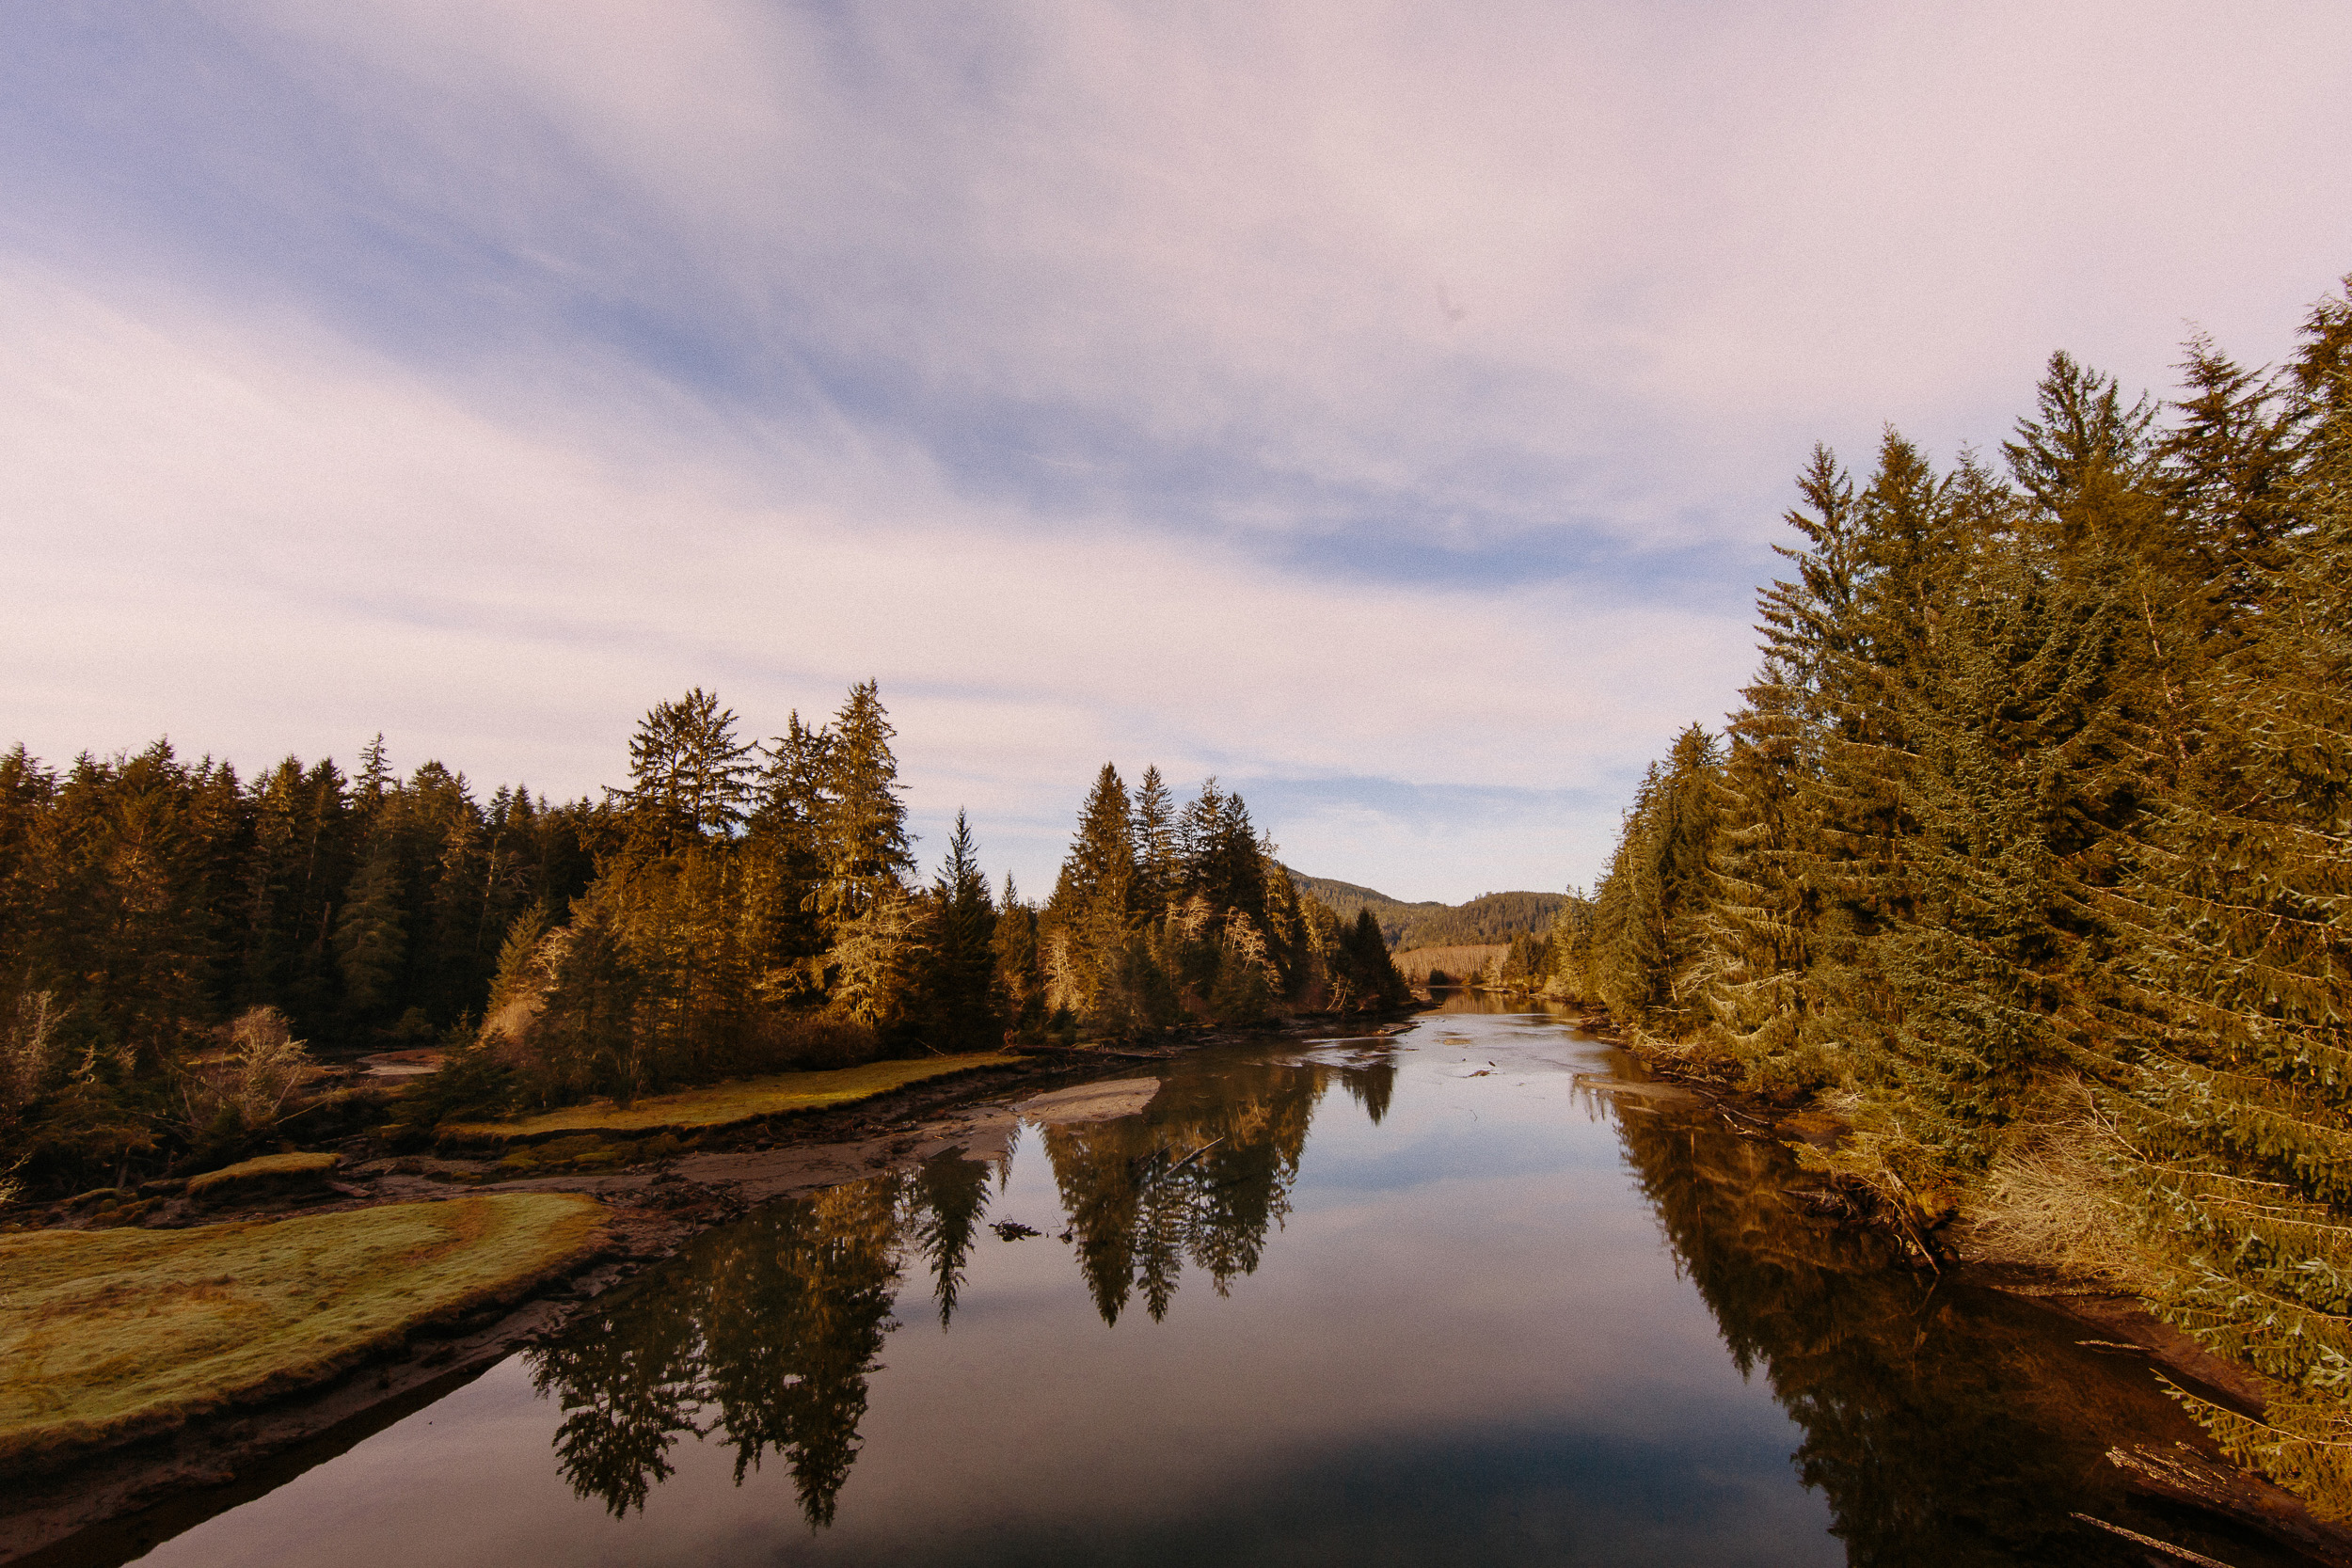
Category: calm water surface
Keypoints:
(1469, 1296)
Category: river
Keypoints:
(1473, 1293)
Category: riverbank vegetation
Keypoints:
(110, 1335)
(2029, 853)
(180, 944)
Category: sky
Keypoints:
(1386, 408)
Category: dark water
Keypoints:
(1433, 1300)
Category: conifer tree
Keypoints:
(1572, 946)
(1373, 978)
(689, 777)
(783, 833)
(1200, 832)
(373, 782)
(1223, 862)
(2225, 470)
(1159, 865)
(1090, 908)
(587, 1037)
(1020, 966)
(1648, 914)
(1098, 875)
(372, 932)
(861, 822)
(1767, 914)
(958, 1002)
(2080, 446)
(2233, 1104)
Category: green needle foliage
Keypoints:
(2029, 853)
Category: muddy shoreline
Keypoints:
(111, 1504)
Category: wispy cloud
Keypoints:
(1379, 404)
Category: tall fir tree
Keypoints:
(1090, 910)
(1159, 862)
(862, 840)
(689, 775)
(958, 1002)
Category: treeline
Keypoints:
(755, 906)
(1487, 918)
(2029, 853)
(1165, 915)
(147, 901)
(148, 895)
(178, 942)
(1490, 917)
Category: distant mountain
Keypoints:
(1347, 898)
(1492, 917)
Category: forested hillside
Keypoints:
(178, 943)
(1346, 899)
(1490, 917)
(2028, 852)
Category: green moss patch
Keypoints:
(723, 1104)
(270, 1174)
(113, 1335)
(584, 1151)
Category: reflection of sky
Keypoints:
(1378, 405)
(1467, 1339)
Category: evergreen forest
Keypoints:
(2028, 855)
(1490, 917)
(182, 946)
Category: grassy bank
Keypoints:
(110, 1335)
(724, 1104)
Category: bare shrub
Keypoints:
(253, 1078)
(29, 1049)
(2054, 1199)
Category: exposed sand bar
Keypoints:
(1121, 1097)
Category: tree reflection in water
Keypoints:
(764, 1332)
(1943, 1424)
(1200, 1179)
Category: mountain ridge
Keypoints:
(1490, 917)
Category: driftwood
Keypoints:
(2180, 1474)
(1197, 1153)
(2183, 1553)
